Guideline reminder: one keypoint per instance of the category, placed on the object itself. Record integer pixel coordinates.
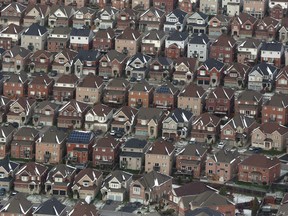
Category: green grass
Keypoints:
(273, 152)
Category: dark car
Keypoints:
(53, 73)
(108, 202)
(175, 82)
(15, 124)
(170, 139)
(2, 191)
(182, 82)
(119, 135)
(133, 79)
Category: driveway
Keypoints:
(112, 206)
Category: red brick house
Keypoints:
(267, 29)
(41, 61)
(116, 92)
(127, 18)
(259, 169)
(65, 87)
(16, 86)
(219, 24)
(141, 95)
(12, 13)
(277, 12)
(223, 49)
(60, 16)
(281, 80)
(40, 87)
(10, 36)
(166, 5)
(58, 39)
(236, 75)
(153, 42)
(64, 60)
(5, 103)
(165, 96)
(243, 25)
(161, 68)
(104, 40)
(186, 5)
(152, 18)
(120, 4)
(6, 139)
(81, 39)
(45, 113)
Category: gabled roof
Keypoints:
(180, 115)
(213, 63)
(17, 6)
(25, 103)
(109, 9)
(225, 156)
(79, 106)
(100, 110)
(150, 113)
(12, 29)
(5, 131)
(91, 81)
(53, 135)
(204, 211)
(224, 41)
(191, 63)
(221, 18)
(165, 61)
(27, 131)
(264, 69)
(118, 82)
(278, 100)
(269, 21)
(153, 179)
(105, 33)
(18, 204)
(131, 12)
(64, 169)
(68, 79)
(178, 36)
(207, 119)
(199, 39)
(192, 188)
(259, 160)
(192, 90)
(50, 207)
(69, 54)
(88, 55)
(135, 143)
(271, 127)
(120, 175)
(241, 121)
(86, 10)
(63, 30)
(129, 112)
(142, 86)
(250, 95)
(8, 165)
(154, 34)
(166, 88)
(272, 46)
(221, 93)
(33, 169)
(45, 103)
(68, 11)
(83, 137)
(91, 173)
(244, 17)
(129, 34)
(180, 14)
(82, 208)
(161, 147)
(196, 149)
(41, 80)
(202, 15)
(38, 53)
(17, 50)
(4, 100)
(113, 54)
(41, 8)
(142, 57)
(35, 30)
(84, 32)
(283, 72)
(251, 43)
(107, 141)
(241, 69)
(158, 13)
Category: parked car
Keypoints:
(2, 191)
(221, 145)
(112, 133)
(53, 73)
(133, 79)
(175, 82)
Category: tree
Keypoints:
(223, 191)
(255, 206)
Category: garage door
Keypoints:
(62, 192)
(136, 200)
(55, 192)
(110, 197)
(118, 198)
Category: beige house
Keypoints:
(7, 169)
(124, 120)
(160, 157)
(256, 8)
(209, 7)
(34, 38)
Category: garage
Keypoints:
(136, 200)
(114, 197)
(55, 192)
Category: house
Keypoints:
(255, 8)
(175, 20)
(45, 113)
(232, 7)
(238, 129)
(210, 73)
(4, 107)
(12, 13)
(21, 110)
(51, 207)
(277, 11)
(17, 205)
(112, 64)
(191, 160)
(5, 140)
(192, 98)
(149, 122)
(206, 128)
(275, 109)
(283, 32)
(176, 44)
(8, 169)
(282, 4)
(198, 47)
(153, 42)
(145, 4)
(58, 39)
(116, 186)
(124, 120)
(106, 152)
(282, 80)
(177, 124)
(267, 29)
(138, 66)
(262, 77)
(223, 49)
(41, 61)
(63, 61)
(87, 183)
(116, 92)
(248, 52)
(59, 180)
(60, 16)
(50, 146)
(79, 146)
(160, 149)
(219, 24)
(152, 18)
(15, 60)
(30, 178)
(222, 166)
(236, 75)
(127, 18)
(36, 13)
(197, 23)
(81, 39)
(259, 169)
(104, 40)
(120, 4)
(272, 53)
(34, 37)
(209, 7)
(161, 68)
(128, 42)
(40, 87)
(151, 187)
(99, 118)
(167, 6)
(249, 103)
(15, 86)
(84, 16)
(204, 210)
(243, 25)
(89, 90)
(283, 206)
(186, 5)
(106, 18)
(140, 95)
(165, 96)
(65, 87)
(185, 69)
(72, 114)
(84, 208)
(10, 36)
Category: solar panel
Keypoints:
(79, 137)
(163, 89)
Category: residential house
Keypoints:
(63, 61)
(210, 73)
(238, 129)
(50, 146)
(232, 7)
(167, 6)
(12, 13)
(197, 23)
(262, 77)
(186, 5)
(219, 24)
(124, 120)
(176, 44)
(223, 49)
(206, 128)
(86, 62)
(41, 61)
(177, 124)
(161, 68)
(133, 153)
(222, 166)
(165, 96)
(72, 114)
(120, 4)
(116, 92)
(255, 8)
(192, 98)
(45, 113)
(40, 87)
(283, 206)
(151, 187)
(30, 178)
(282, 80)
(106, 152)
(60, 16)
(209, 7)
(34, 37)
(112, 64)
(191, 160)
(104, 40)
(128, 42)
(84, 16)
(145, 4)
(59, 180)
(267, 29)
(79, 146)
(259, 169)
(84, 208)
(58, 39)
(149, 122)
(36, 13)
(51, 207)
(152, 18)
(65, 87)
(106, 17)
(205, 210)
(87, 183)
(249, 103)
(8, 169)
(236, 76)
(127, 18)
(140, 95)
(272, 53)
(116, 186)
(16, 205)
(270, 135)
(175, 20)
(5, 140)
(283, 32)
(198, 47)
(21, 110)
(153, 42)
(243, 25)
(15, 86)
(248, 52)
(99, 117)
(138, 66)
(4, 107)
(277, 11)
(185, 69)
(81, 39)
(10, 36)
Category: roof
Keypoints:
(225, 156)
(221, 18)
(84, 32)
(192, 188)
(161, 147)
(50, 207)
(272, 46)
(135, 143)
(158, 13)
(17, 50)
(61, 30)
(5, 131)
(224, 41)
(83, 137)
(259, 160)
(129, 34)
(68, 79)
(43, 79)
(165, 61)
(105, 33)
(12, 29)
(129, 112)
(91, 81)
(69, 54)
(221, 93)
(284, 72)
(178, 36)
(91, 173)
(86, 10)
(199, 39)
(68, 11)
(241, 121)
(25, 103)
(8, 165)
(213, 63)
(269, 21)
(153, 179)
(45, 103)
(207, 119)
(79, 106)
(278, 100)
(250, 43)
(17, 78)
(100, 110)
(205, 211)
(35, 30)
(180, 115)
(41, 8)
(142, 57)
(83, 208)
(17, 6)
(64, 169)
(118, 82)
(88, 55)
(238, 67)
(244, 17)
(33, 169)
(154, 34)
(113, 54)
(27, 131)
(180, 14)
(264, 69)
(18, 204)
(271, 127)
(150, 113)
(53, 135)
(120, 175)
(142, 86)
(166, 88)
(195, 149)
(250, 95)
(107, 142)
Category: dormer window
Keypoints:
(156, 67)
(24, 178)
(58, 179)
(248, 27)
(86, 183)
(1, 174)
(137, 64)
(104, 64)
(61, 60)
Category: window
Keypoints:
(85, 183)
(136, 190)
